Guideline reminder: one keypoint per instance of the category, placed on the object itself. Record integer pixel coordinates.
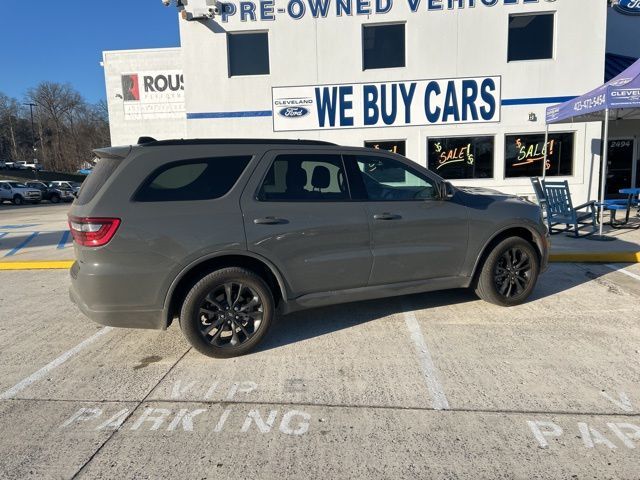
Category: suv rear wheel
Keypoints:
(227, 313)
(509, 273)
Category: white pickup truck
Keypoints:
(22, 165)
(18, 193)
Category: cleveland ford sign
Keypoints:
(387, 104)
(267, 10)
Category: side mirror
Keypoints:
(448, 191)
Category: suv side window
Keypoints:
(383, 179)
(188, 180)
(305, 178)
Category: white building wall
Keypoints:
(126, 128)
(440, 44)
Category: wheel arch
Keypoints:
(199, 268)
(527, 233)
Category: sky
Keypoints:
(62, 41)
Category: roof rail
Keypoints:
(229, 141)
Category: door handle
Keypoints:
(386, 216)
(269, 221)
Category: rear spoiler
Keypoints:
(113, 152)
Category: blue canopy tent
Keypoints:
(618, 99)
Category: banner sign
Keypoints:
(153, 95)
(267, 10)
(387, 104)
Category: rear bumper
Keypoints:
(112, 317)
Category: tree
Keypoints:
(67, 127)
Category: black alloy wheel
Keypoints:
(230, 315)
(227, 312)
(512, 272)
(509, 273)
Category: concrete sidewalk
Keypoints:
(625, 248)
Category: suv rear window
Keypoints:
(196, 179)
(94, 182)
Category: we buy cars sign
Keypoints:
(387, 104)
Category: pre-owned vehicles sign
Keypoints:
(387, 104)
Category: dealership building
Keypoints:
(460, 86)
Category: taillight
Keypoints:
(93, 232)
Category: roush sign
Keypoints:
(387, 104)
(153, 95)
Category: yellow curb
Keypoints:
(596, 257)
(37, 265)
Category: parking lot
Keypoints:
(433, 385)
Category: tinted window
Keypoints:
(524, 155)
(385, 179)
(383, 46)
(530, 37)
(198, 179)
(248, 53)
(305, 177)
(461, 157)
(101, 172)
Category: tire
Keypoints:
(509, 274)
(55, 199)
(17, 200)
(219, 342)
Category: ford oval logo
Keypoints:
(628, 7)
(294, 112)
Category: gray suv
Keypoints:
(222, 234)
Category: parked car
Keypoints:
(18, 193)
(73, 186)
(221, 234)
(22, 165)
(52, 193)
(85, 171)
(10, 165)
(3, 165)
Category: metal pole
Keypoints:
(603, 170)
(546, 146)
(33, 131)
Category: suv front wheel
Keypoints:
(509, 273)
(227, 313)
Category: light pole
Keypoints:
(33, 130)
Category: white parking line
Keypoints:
(40, 374)
(622, 270)
(438, 398)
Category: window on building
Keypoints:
(383, 179)
(305, 178)
(461, 157)
(248, 53)
(199, 179)
(530, 37)
(393, 146)
(383, 46)
(524, 155)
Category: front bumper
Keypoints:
(82, 286)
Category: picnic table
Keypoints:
(622, 205)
